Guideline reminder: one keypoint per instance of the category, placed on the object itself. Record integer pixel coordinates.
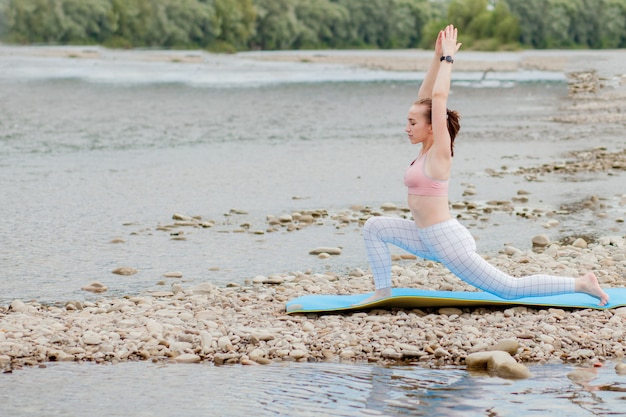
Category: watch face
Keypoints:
(449, 59)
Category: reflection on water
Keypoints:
(302, 389)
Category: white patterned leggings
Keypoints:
(450, 243)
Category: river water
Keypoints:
(99, 145)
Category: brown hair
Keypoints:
(453, 117)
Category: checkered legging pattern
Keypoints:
(451, 244)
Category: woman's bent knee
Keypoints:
(372, 225)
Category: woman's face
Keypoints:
(417, 127)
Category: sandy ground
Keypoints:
(606, 62)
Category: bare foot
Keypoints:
(589, 285)
(378, 295)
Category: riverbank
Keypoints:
(247, 323)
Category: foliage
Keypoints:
(276, 24)
(230, 25)
(571, 23)
(483, 24)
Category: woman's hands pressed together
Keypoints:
(447, 41)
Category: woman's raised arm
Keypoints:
(426, 88)
(441, 90)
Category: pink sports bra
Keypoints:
(419, 183)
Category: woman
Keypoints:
(433, 234)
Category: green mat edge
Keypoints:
(409, 301)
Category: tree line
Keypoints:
(231, 25)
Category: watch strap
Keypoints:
(446, 58)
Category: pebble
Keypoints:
(541, 240)
(551, 223)
(125, 270)
(450, 311)
(91, 338)
(96, 287)
(188, 358)
(511, 346)
(498, 363)
(582, 376)
(224, 343)
(326, 250)
(18, 306)
(388, 207)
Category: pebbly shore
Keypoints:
(248, 324)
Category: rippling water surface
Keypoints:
(93, 150)
(300, 389)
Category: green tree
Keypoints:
(4, 8)
(85, 21)
(586, 23)
(276, 25)
(235, 19)
(132, 20)
(437, 13)
(462, 13)
(34, 21)
(411, 17)
(611, 30)
(322, 23)
(286, 24)
(571, 23)
(505, 26)
(386, 23)
(559, 30)
(182, 23)
(532, 20)
(199, 19)
(368, 22)
(484, 24)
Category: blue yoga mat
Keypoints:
(413, 298)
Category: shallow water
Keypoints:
(84, 163)
(301, 389)
(94, 150)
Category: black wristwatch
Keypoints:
(447, 58)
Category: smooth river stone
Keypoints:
(125, 270)
(187, 358)
(18, 306)
(497, 362)
(95, 287)
(328, 250)
(91, 338)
